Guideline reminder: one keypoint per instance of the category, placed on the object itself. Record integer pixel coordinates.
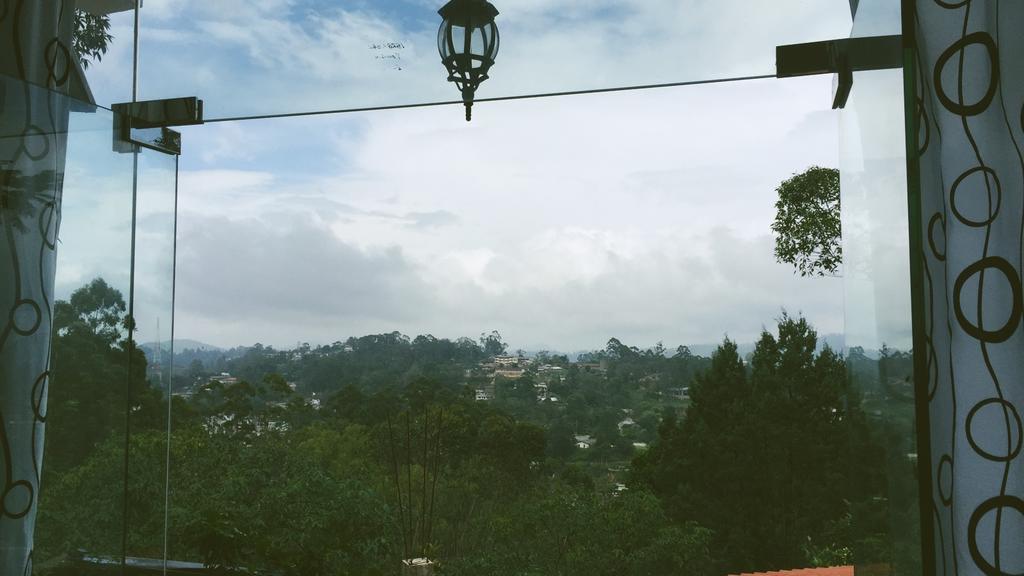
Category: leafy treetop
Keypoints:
(807, 225)
(91, 37)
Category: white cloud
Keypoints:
(568, 221)
(268, 280)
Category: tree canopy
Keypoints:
(91, 37)
(333, 459)
(762, 458)
(807, 225)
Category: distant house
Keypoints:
(680, 393)
(584, 441)
(592, 366)
(224, 378)
(216, 422)
(627, 422)
(638, 446)
(508, 360)
(482, 395)
(542, 391)
(510, 373)
(134, 565)
(831, 571)
(271, 426)
(417, 567)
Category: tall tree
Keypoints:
(492, 344)
(773, 457)
(91, 383)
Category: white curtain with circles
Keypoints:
(970, 67)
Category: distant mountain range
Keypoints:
(836, 342)
(179, 345)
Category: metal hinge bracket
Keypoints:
(148, 123)
(842, 57)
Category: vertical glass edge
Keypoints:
(915, 229)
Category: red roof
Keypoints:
(831, 571)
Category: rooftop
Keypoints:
(830, 571)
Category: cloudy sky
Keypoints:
(560, 222)
(270, 56)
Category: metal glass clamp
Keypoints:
(148, 123)
(842, 57)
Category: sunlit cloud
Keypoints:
(652, 224)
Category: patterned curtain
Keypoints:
(970, 66)
(35, 68)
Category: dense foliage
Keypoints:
(343, 459)
(807, 225)
(776, 460)
(91, 37)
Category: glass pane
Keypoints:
(877, 293)
(153, 314)
(98, 374)
(550, 297)
(246, 58)
(82, 484)
(877, 18)
(459, 39)
(478, 42)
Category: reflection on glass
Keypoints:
(102, 46)
(153, 314)
(877, 289)
(877, 18)
(100, 374)
(82, 487)
(159, 139)
(33, 142)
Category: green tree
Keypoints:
(560, 442)
(196, 369)
(774, 458)
(492, 344)
(807, 225)
(91, 387)
(91, 37)
(564, 531)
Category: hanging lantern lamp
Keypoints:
(468, 43)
